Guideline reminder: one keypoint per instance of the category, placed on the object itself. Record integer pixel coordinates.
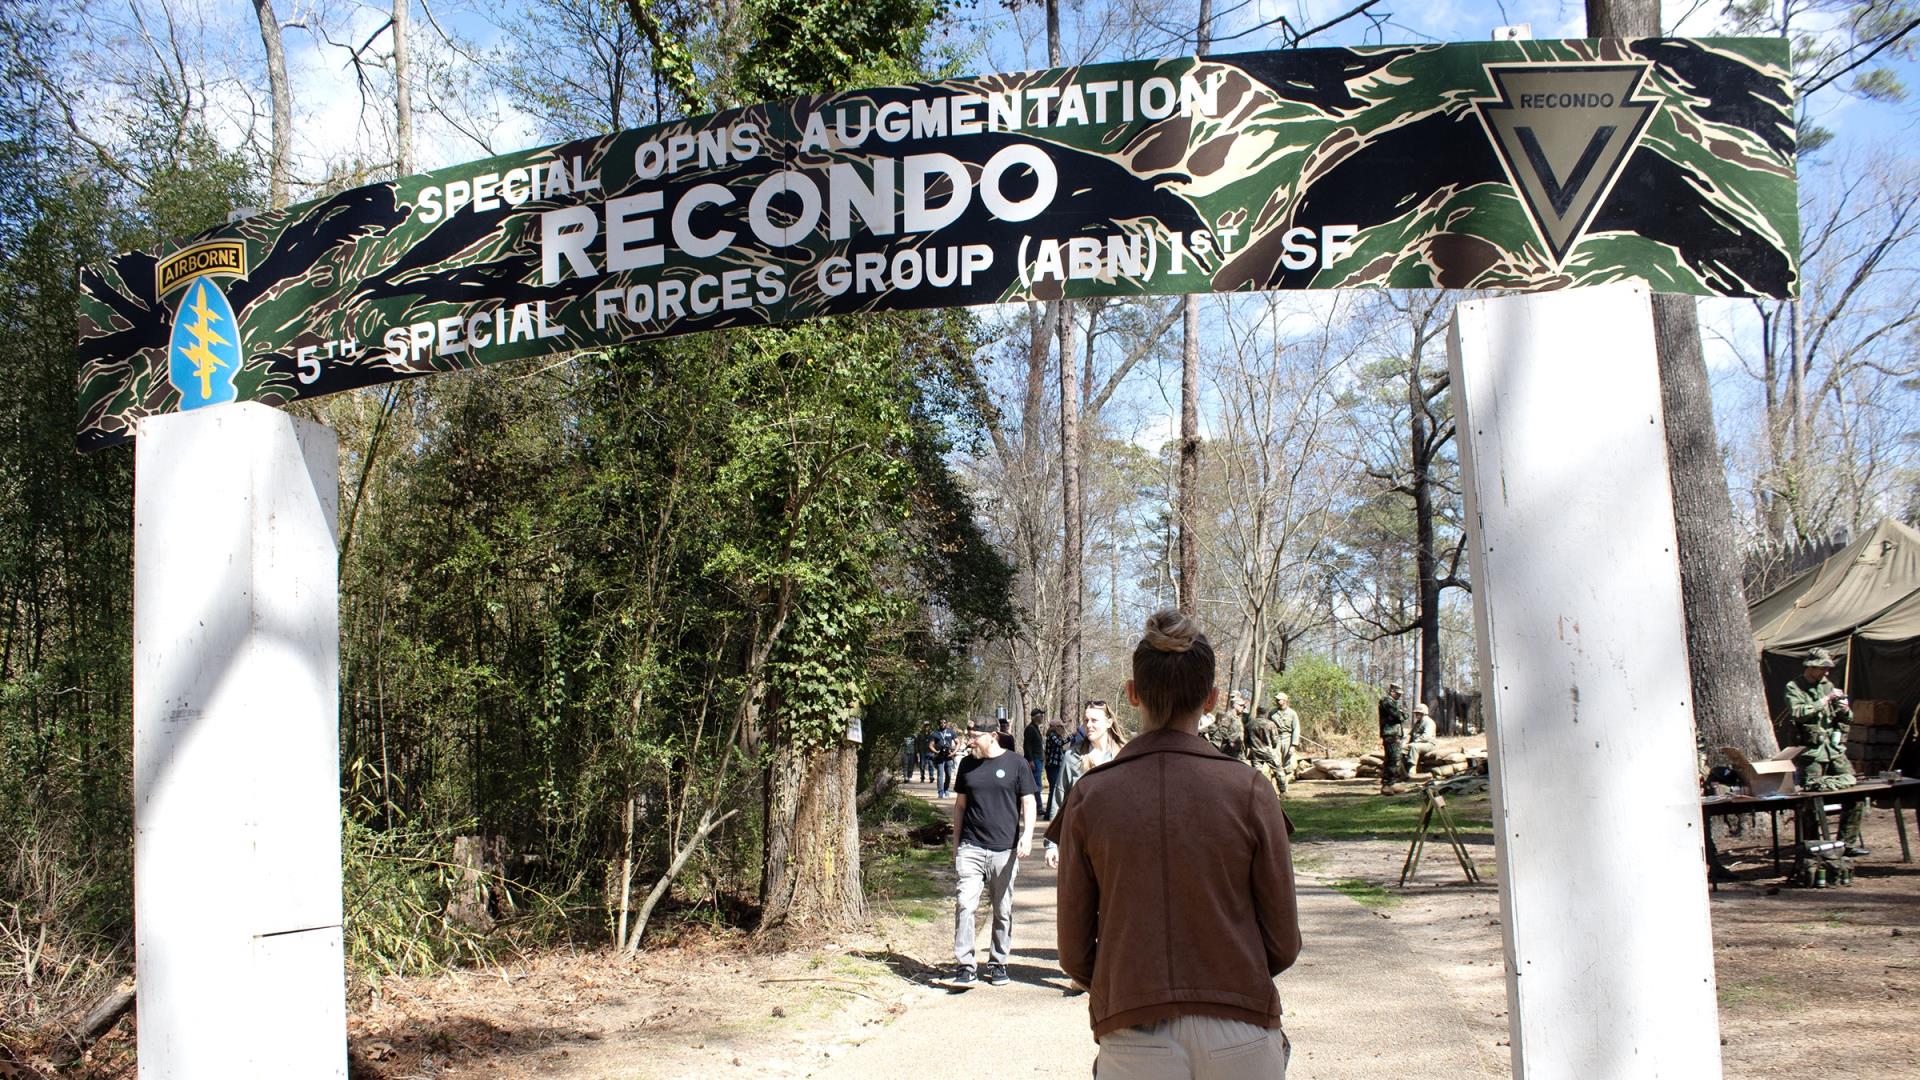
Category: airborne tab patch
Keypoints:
(1563, 132)
(227, 258)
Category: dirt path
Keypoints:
(1360, 1003)
(1038, 1013)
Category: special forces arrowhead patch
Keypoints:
(204, 351)
(1563, 131)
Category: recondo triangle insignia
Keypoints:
(1564, 131)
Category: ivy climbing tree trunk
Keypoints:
(1729, 703)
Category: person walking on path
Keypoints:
(944, 744)
(1099, 742)
(1033, 745)
(1821, 717)
(923, 745)
(1422, 739)
(993, 810)
(1176, 904)
(1393, 738)
(1056, 752)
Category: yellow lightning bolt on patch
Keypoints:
(200, 352)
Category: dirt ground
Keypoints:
(1810, 981)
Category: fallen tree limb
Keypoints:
(708, 823)
(99, 1020)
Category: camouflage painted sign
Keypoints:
(1501, 165)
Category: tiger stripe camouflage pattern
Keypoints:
(1501, 165)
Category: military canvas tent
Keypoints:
(1862, 604)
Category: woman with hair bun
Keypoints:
(1176, 901)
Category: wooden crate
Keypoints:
(1876, 714)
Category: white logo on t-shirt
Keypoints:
(1000, 773)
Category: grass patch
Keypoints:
(903, 809)
(1370, 817)
(1308, 862)
(1365, 893)
(1764, 992)
(908, 874)
(913, 881)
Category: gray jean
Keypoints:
(979, 868)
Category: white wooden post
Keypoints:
(236, 662)
(1583, 661)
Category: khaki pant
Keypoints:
(1415, 749)
(1195, 1047)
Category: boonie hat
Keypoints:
(1820, 658)
(1422, 709)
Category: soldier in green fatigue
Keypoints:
(1288, 722)
(1263, 751)
(1393, 738)
(1228, 732)
(1821, 716)
(1422, 739)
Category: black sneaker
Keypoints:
(962, 975)
(1857, 853)
(996, 975)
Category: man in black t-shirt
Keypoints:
(993, 811)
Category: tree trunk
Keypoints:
(1186, 511)
(1071, 559)
(1072, 509)
(810, 883)
(1729, 704)
(1186, 508)
(280, 163)
(402, 89)
(1425, 562)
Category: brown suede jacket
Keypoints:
(1176, 886)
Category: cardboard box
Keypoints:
(1769, 776)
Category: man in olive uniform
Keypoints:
(1422, 739)
(1263, 751)
(1228, 732)
(1393, 738)
(1288, 722)
(1821, 717)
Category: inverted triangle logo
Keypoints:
(1564, 131)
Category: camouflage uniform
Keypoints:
(1228, 736)
(1264, 751)
(1393, 739)
(1820, 719)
